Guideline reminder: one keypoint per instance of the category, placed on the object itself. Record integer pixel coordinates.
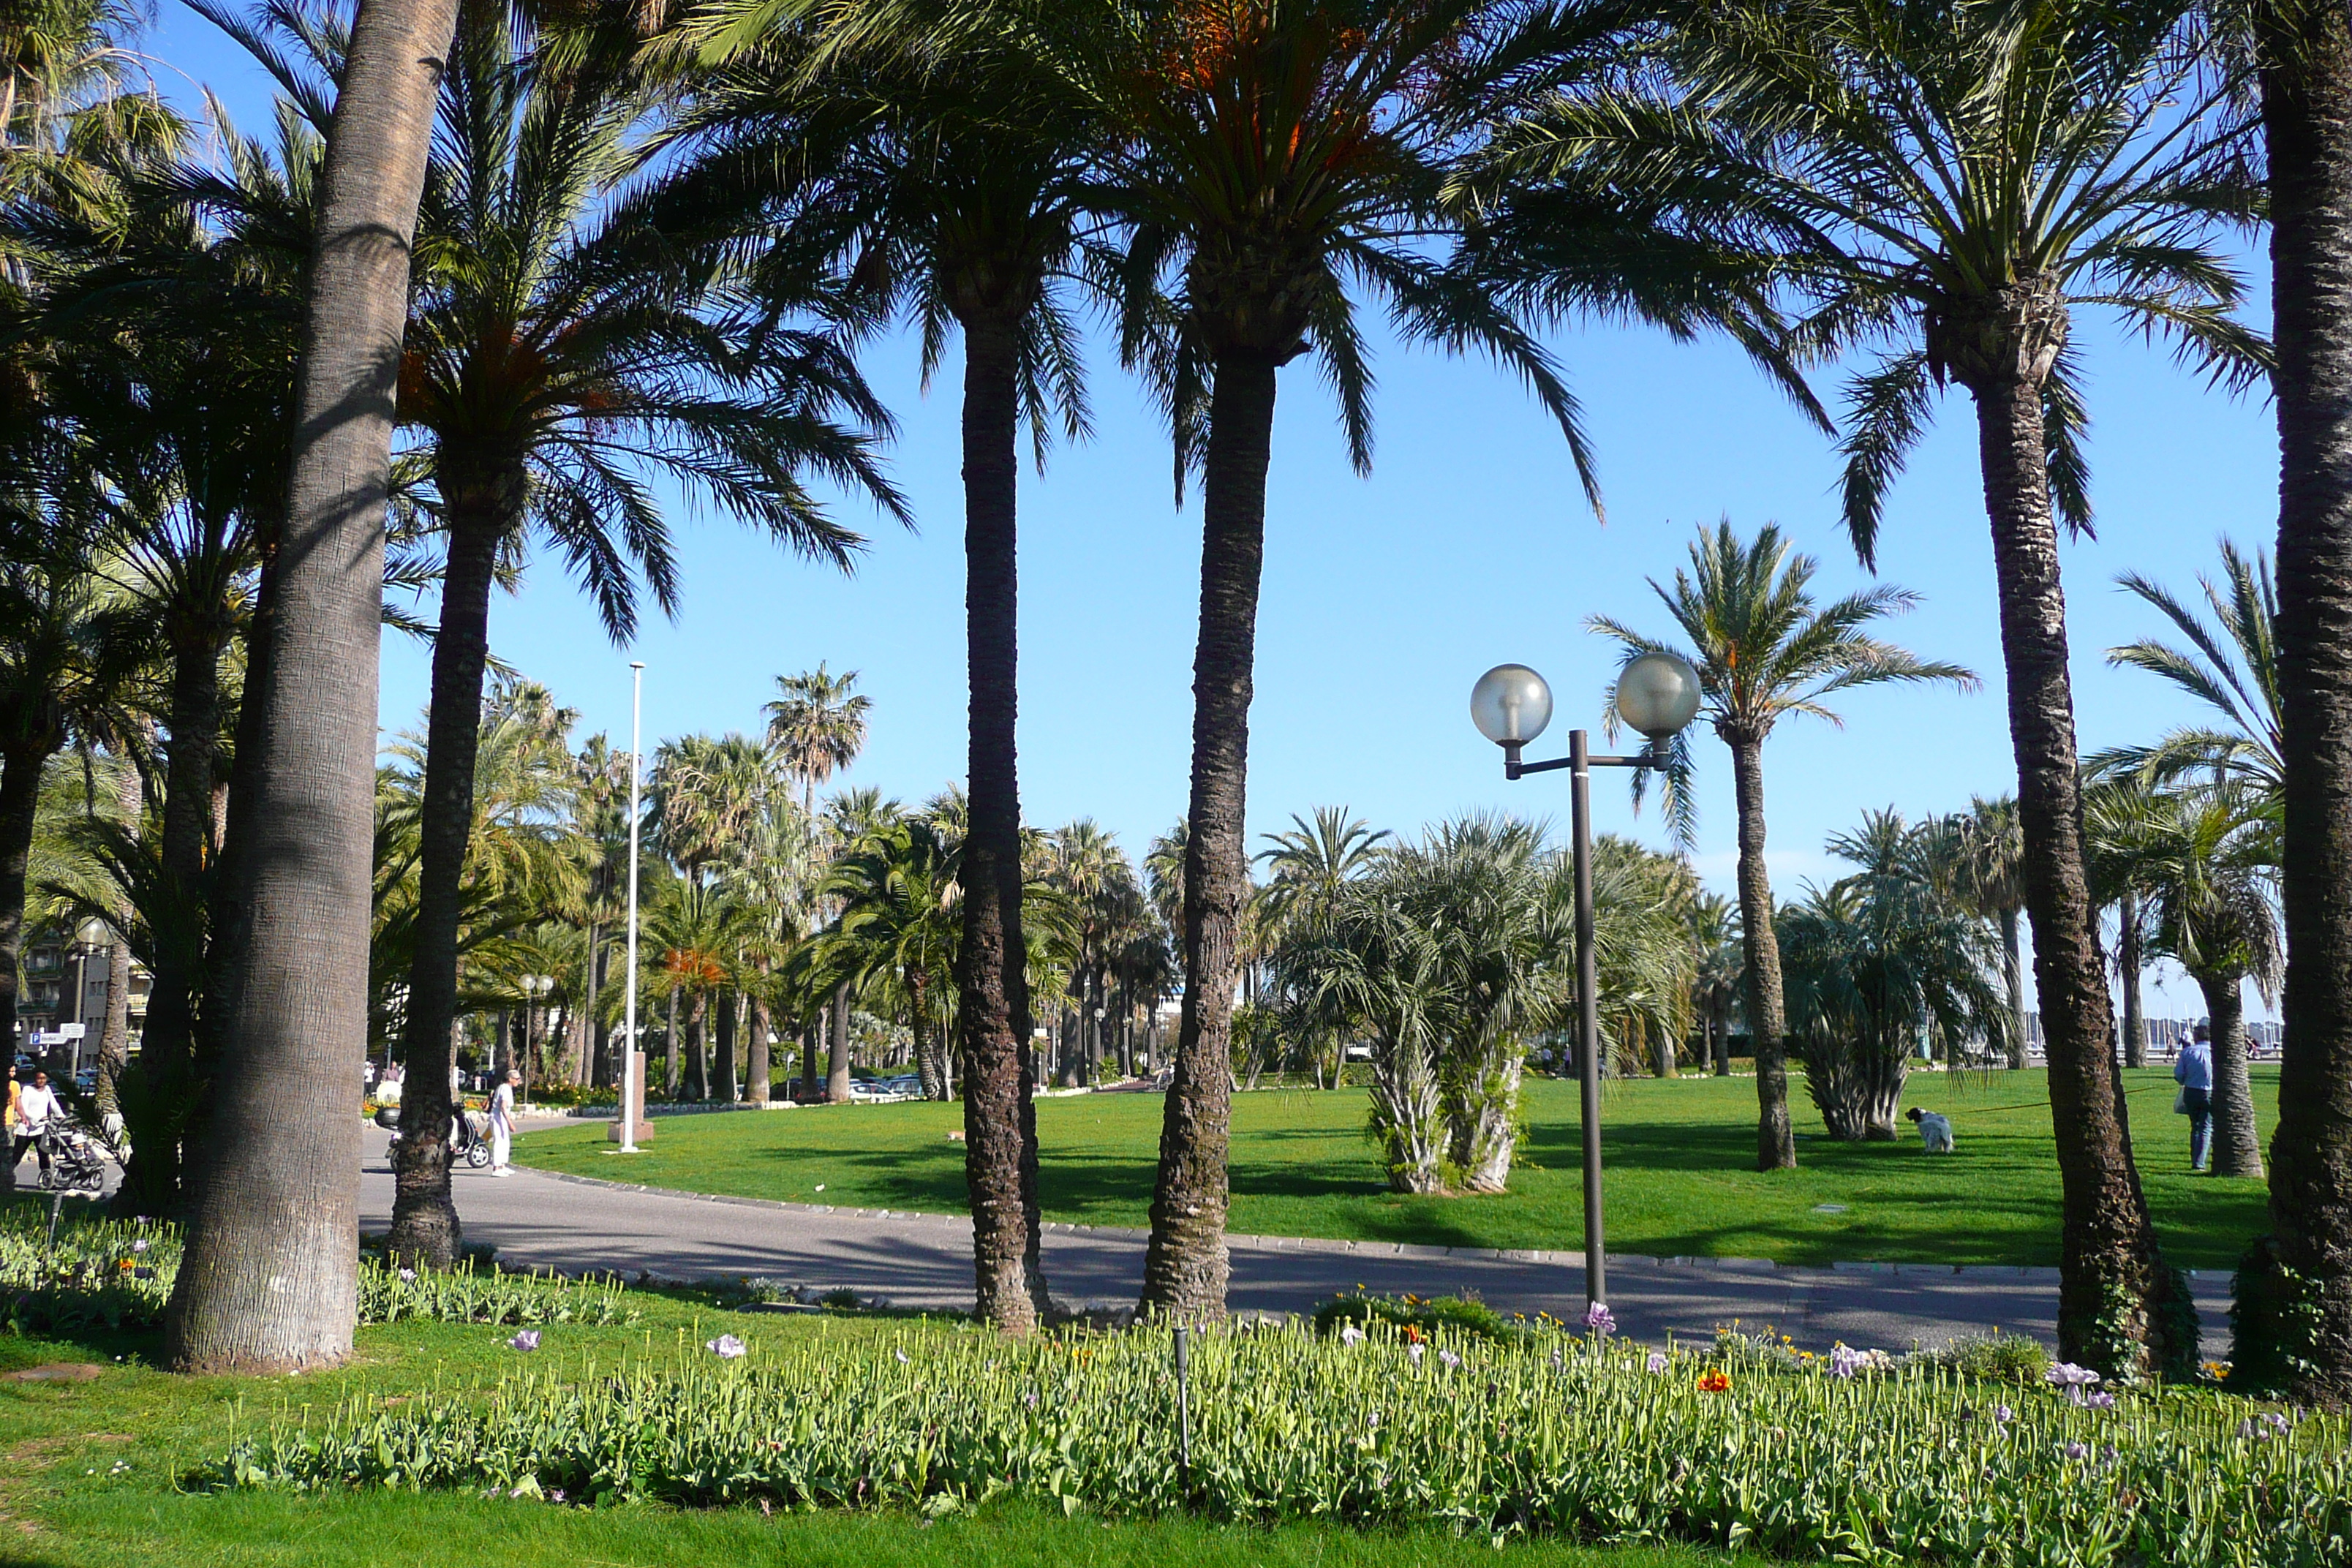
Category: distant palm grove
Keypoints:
(497, 288)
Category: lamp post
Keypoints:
(630, 1087)
(1657, 694)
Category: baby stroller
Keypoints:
(467, 1140)
(76, 1163)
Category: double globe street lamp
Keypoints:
(1657, 694)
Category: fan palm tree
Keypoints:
(561, 352)
(1765, 650)
(1952, 180)
(897, 889)
(1986, 864)
(816, 725)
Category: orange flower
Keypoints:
(1717, 1380)
(1412, 1333)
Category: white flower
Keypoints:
(726, 1347)
(902, 1356)
(408, 1276)
(1350, 1335)
(1412, 1354)
(1448, 1360)
(1657, 1361)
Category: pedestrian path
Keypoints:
(574, 1223)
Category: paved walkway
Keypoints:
(571, 1223)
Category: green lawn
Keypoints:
(63, 1505)
(1679, 1155)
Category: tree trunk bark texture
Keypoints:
(836, 1078)
(1185, 1266)
(425, 1226)
(2113, 1290)
(723, 1071)
(698, 1048)
(2307, 116)
(20, 801)
(115, 1038)
(2237, 1147)
(757, 1067)
(1776, 1141)
(269, 1278)
(2129, 961)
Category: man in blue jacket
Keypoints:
(2194, 1073)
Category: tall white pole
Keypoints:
(629, 1086)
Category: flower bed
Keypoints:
(1862, 1459)
(116, 1275)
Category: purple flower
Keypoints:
(1845, 1361)
(2078, 1451)
(1657, 1361)
(2002, 1414)
(2077, 1381)
(527, 1339)
(2099, 1399)
(1448, 1360)
(139, 1244)
(1030, 1399)
(2280, 1423)
(555, 1494)
(726, 1347)
(1600, 1321)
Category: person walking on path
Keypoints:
(35, 1108)
(9, 1116)
(502, 1111)
(2194, 1073)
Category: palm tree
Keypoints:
(2230, 666)
(816, 725)
(1312, 867)
(897, 889)
(1986, 864)
(1857, 141)
(2205, 860)
(271, 1281)
(1722, 972)
(1765, 650)
(560, 354)
(2304, 53)
(959, 182)
(1878, 961)
(1265, 154)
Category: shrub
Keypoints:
(1995, 1358)
(116, 1275)
(1423, 1314)
(1558, 1436)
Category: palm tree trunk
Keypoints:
(2129, 961)
(669, 1046)
(836, 1078)
(167, 1047)
(2116, 1310)
(757, 1067)
(1185, 1266)
(723, 1070)
(2308, 122)
(1776, 1141)
(810, 1034)
(115, 1038)
(2237, 1146)
(2013, 958)
(697, 1078)
(20, 799)
(270, 1279)
(425, 1225)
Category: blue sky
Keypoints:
(1385, 598)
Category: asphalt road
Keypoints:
(925, 1260)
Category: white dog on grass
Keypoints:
(1935, 1129)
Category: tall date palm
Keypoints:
(570, 343)
(1765, 650)
(1950, 180)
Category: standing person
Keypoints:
(8, 1116)
(37, 1108)
(502, 1104)
(2194, 1073)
